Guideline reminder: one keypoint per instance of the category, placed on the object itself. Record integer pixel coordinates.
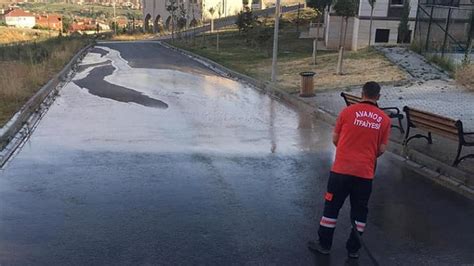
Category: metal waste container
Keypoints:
(307, 84)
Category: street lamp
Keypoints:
(115, 19)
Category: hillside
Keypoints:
(9, 35)
(91, 11)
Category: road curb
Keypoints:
(439, 172)
(20, 126)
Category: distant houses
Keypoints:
(23, 19)
(49, 21)
(88, 25)
(19, 18)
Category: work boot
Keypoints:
(316, 246)
(353, 255)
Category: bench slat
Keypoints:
(351, 99)
(434, 119)
(438, 129)
(427, 113)
(433, 123)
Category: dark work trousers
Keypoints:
(339, 187)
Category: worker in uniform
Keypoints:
(361, 135)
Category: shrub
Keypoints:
(445, 63)
(25, 68)
(465, 76)
(261, 36)
(416, 46)
(307, 15)
(245, 20)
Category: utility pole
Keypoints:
(275, 41)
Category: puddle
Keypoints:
(96, 85)
(86, 66)
(100, 51)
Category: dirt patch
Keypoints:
(465, 76)
(357, 71)
(11, 35)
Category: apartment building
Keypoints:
(386, 18)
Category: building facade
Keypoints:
(20, 19)
(156, 17)
(386, 19)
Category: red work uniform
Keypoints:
(362, 129)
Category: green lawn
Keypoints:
(294, 57)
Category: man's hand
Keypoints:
(335, 138)
(382, 149)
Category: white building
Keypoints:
(20, 19)
(386, 18)
(156, 16)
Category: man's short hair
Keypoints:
(371, 89)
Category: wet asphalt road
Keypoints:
(220, 175)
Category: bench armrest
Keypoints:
(469, 141)
(397, 111)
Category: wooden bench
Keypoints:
(392, 112)
(440, 125)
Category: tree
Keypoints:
(67, 21)
(262, 36)
(345, 9)
(319, 6)
(403, 27)
(182, 21)
(212, 11)
(372, 6)
(171, 8)
(245, 19)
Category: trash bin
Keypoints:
(307, 84)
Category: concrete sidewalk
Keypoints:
(430, 89)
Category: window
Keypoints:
(381, 35)
(441, 2)
(396, 2)
(448, 2)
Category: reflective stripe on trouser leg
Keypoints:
(360, 226)
(328, 222)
